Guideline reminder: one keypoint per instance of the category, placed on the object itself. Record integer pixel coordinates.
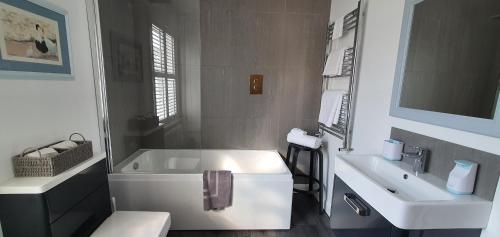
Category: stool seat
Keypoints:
(134, 224)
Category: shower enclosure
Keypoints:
(174, 86)
(151, 52)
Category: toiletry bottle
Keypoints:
(462, 178)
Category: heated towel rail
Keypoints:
(343, 129)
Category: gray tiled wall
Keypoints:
(282, 39)
(444, 153)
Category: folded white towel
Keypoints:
(64, 145)
(44, 152)
(304, 140)
(331, 103)
(338, 28)
(298, 131)
(334, 62)
(338, 109)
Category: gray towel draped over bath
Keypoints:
(217, 189)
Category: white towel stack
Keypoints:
(300, 137)
(298, 131)
(43, 153)
(64, 145)
(331, 103)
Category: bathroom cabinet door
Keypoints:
(350, 211)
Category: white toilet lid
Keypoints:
(134, 224)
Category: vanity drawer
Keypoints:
(66, 195)
(350, 211)
(85, 217)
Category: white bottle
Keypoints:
(462, 177)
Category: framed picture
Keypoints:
(127, 58)
(34, 40)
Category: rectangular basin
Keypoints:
(407, 200)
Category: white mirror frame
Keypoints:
(488, 127)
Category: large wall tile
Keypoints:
(281, 39)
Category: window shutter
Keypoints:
(170, 54)
(172, 96)
(160, 98)
(165, 90)
(158, 43)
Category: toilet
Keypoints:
(134, 224)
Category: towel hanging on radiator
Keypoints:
(331, 104)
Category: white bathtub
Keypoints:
(171, 180)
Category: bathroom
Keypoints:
(168, 89)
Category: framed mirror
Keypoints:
(448, 67)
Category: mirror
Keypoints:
(448, 70)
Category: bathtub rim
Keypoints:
(117, 169)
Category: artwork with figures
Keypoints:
(27, 37)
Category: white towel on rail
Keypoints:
(331, 103)
(338, 28)
(334, 62)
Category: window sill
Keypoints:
(166, 124)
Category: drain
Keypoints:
(135, 166)
(391, 190)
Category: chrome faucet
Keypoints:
(420, 158)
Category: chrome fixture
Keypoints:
(353, 21)
(420, 158)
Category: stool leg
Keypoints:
(311, 171)
(294, 160)
(320, 157)
(287, 160)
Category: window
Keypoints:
(164, 73)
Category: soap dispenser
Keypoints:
(462, 177)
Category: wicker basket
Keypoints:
(52, 166)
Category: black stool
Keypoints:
(296, 149)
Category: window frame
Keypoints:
(154, 74)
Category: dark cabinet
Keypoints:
(351, 211)
(75, 207)
(354, 217)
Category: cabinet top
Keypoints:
(36, 185)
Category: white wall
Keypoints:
(372, 122)
(37, 112)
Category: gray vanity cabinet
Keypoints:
(354, 217)
(75, 207)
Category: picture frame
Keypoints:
(126, 58)
(34, 41)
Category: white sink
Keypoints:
(418, 202)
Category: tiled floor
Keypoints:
(305, 222)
